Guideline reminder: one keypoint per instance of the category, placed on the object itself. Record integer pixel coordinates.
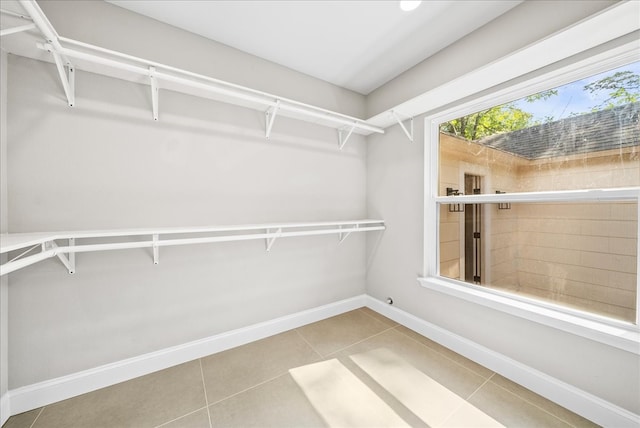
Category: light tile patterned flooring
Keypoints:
(250, 386)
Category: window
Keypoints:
(535, 201)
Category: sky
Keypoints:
(571, 97)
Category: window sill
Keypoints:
(624, 336)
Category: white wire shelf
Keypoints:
(50, 244)
(39, 37)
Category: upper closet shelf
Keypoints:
(69, 55)
(45, 246)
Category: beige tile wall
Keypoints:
(449, 244)
(587, 171)
(568, 252)
(578, 255)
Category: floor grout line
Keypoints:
(480, 387)
(352, 344)
(206, 401)
(250, 388)
(36, 419)
(300, 335)
(204, 387)
(372, 317)
(453, 412)
(307, 342)
(358, 342)
(466, 400)
(180, 417)
(444, 355)
(536, 406)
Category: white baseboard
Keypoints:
(583, 403)
(47, 392)
(43, 393)
(5, 410)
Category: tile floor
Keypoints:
(251, 386)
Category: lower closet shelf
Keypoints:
(47, 246)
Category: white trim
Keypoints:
(580, 37)
(51, 391)
(431, 208)
(586, 195)
(5, 409)
(622, 336)
(578, 322)
(568, 396)
(597, 63)
(54, 390)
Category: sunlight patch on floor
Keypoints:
(426, 398)
(342, 399)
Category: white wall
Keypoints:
(395, 192)
(105, 164)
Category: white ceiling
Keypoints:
(359, 45)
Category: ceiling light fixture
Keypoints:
(409, 5)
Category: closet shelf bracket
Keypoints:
(342, 236)
(156, 250)
(154, 92)
(69, 261)
(271, 237)
(344, 141)
(408, 133)
(270, 117)
(66, 76)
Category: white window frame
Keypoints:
(606, 330)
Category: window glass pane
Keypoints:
(582, 135)
(579, 255)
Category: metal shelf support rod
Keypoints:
(18, 29)
(408, 133)
(271, 116)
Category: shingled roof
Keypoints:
(592, 132)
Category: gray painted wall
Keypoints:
(105, 164)
(395, 192)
